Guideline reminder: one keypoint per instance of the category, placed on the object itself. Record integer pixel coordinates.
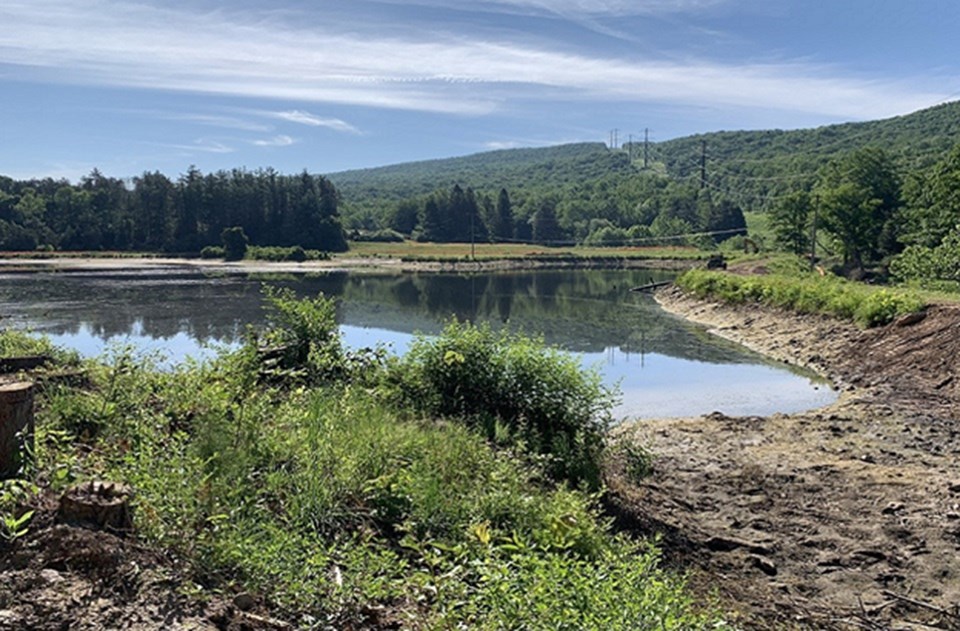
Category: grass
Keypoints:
(344, 506)
(807, 292)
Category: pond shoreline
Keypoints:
(823, 519)
(353, 264)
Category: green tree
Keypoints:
(790, 221)
(234, 243)
(433, 223)
(858, 199)
(933, 201)
(502, 228)
(546, 228)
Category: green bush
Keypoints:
(516, 389)
(294, 253)
(212, 252)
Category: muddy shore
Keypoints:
(846, 517)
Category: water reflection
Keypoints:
(651, 353)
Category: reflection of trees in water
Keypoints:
(584, 311)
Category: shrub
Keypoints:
(516, 389)
(212, 252)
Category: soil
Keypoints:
(846, 517)
(67, 576)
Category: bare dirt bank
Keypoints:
(846, 517)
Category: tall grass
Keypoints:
(806, 293)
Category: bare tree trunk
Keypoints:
(16, 427)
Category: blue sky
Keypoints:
(133, 86)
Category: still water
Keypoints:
(663, 365)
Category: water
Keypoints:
(663, 365)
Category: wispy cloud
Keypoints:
(226, 122)
(203, 145)
(311, 120)
(276, 141)
(576, 7)
(264, 55)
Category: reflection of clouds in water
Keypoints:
(654, 385)
(584, 311)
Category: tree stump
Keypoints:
(98, 505)
(16, 427)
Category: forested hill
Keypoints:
(753, 167)
(514, 169)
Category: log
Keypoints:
(16, 427)
(27, 362)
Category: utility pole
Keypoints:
(646, 147)
(616, 137)
(703, 163)
(813, 238)
(630, 148)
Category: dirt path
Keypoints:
(846, 517)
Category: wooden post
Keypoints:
(16, 427)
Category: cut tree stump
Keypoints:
(16, 427)
(98, 505)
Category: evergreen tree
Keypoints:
(790, 221)
(545, 227)
(502, 227)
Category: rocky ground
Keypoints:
(846, 517)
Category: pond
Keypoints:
(663, 365)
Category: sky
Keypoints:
(149, 85)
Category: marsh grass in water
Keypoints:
(345, 504)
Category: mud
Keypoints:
(846, 517)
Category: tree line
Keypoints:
(644, 209)
(874, 214)
(151, 212)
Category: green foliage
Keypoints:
(790, 221)
(234, 243)
(293, 253)
(514, 388)
(331, 503)
(14, 518)
(757, 168)
(858, 198)
(933, 201)
(158, 214)
(810, 293)
(929, 266)
(17, 343)
(378, 236)
(213, 252)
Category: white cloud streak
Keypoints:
(277, 141)
(592, 8)
(110, 42)
(306, 118)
